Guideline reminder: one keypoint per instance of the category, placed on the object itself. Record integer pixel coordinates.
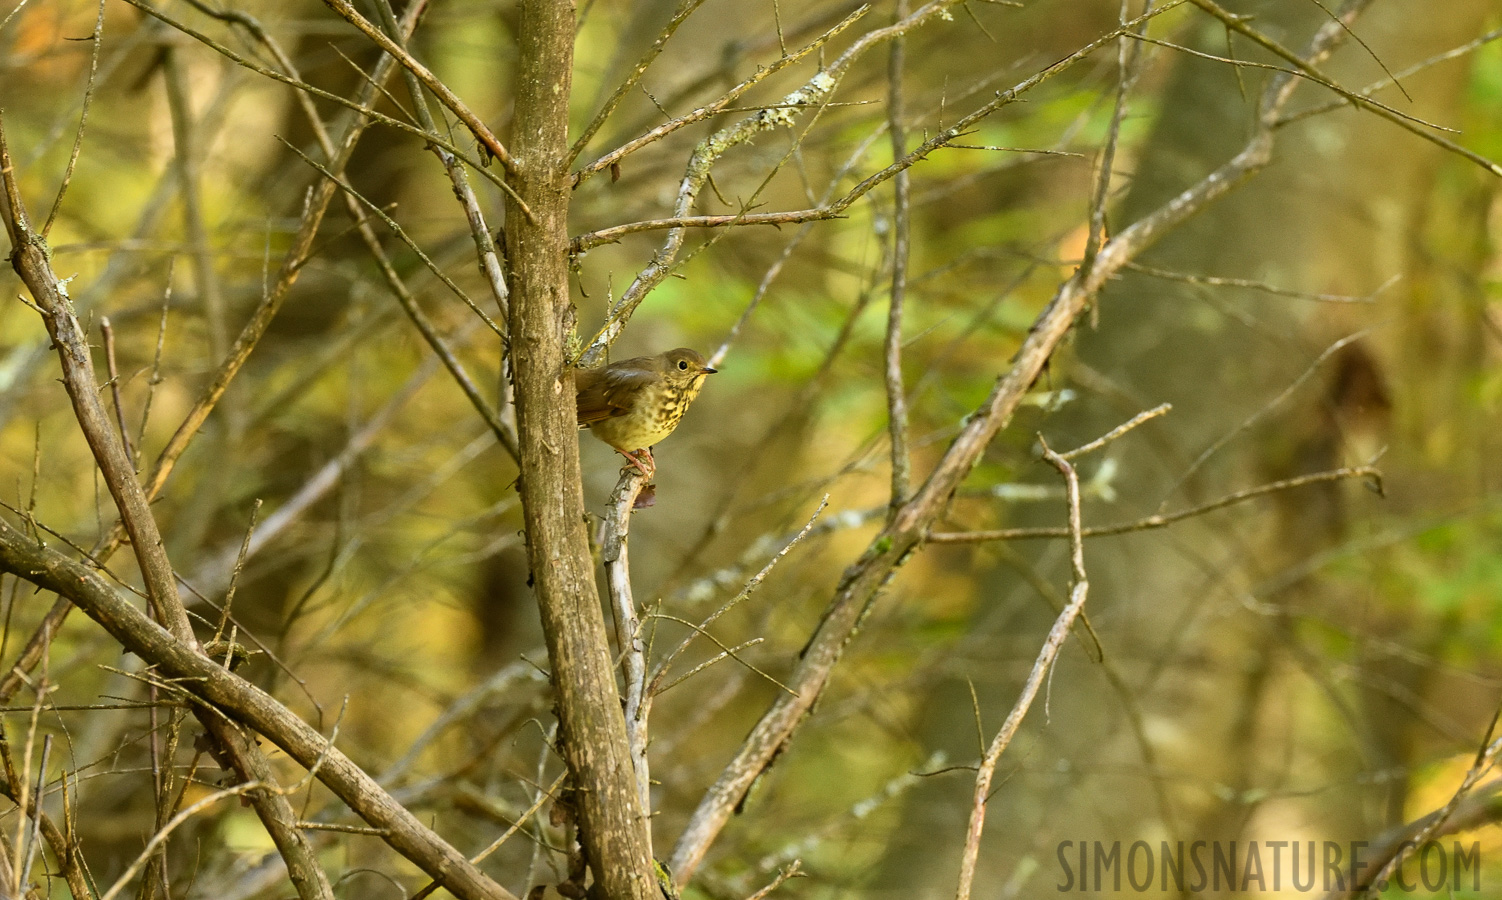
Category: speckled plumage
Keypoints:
(634, 403)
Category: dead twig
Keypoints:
(629, 642)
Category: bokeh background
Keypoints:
(1320, 663)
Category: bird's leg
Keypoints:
(634, 458)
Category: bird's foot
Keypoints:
(636, 457)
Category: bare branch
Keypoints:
(83, 116)
(228, 694)
(1307, 68)
(1160, 520)
(114, 373)
(157, 839)
(292, 263)
(356, 204)
(1051, 646)
(1453, 53)
(892, 546)
(1118, 431)
(360, 106)
(30, 259)
(490, 263)
(628, 632)
(614, 157)
(440, 90)
(901, 224)
(1264, 287)
(815, 93)
(1328, 353)
(1469, 809)
(751, 585)
(632, 78)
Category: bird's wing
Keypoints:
(605, 393)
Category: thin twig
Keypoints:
(543, 796)
(222, 692)
(793, 869)
(32, 263)
(400, 232)
(814, 93)
(149, 851)
(360, 107)
(1264, 287)
(219, 570)
(83, 117)
(1120, 430)
(431, 81)
(1051, 646)
(895, 543)
(186, 153)
(751, 585)
(614, 157)
(156, 366)
(901, 223)
(114, 373)
(1261, 412)
(505, 431)
(1308, 69)
(1160, 520)
(485, 246)
(1431, 825)
(728, 651)
(632, 78)
(440, 90)
(234, 578)
(34, 834)
(1453, 53)
(628, 632)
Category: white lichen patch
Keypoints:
(785, 113)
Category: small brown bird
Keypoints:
(634, 403)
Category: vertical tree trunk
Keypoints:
(614, 828)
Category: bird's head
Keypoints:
(684, 366)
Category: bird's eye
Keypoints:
(683, 365)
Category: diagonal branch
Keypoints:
(1467, 810)
(815, 92)
(632, 78)
(228, 694)
(355, 205)
(762, 73)
(906, 531)
(479, 129)
(360, 107)
(297, 255)
(30, 257)
(1309, 69)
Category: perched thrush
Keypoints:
(634, 403)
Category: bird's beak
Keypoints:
(708, 371)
